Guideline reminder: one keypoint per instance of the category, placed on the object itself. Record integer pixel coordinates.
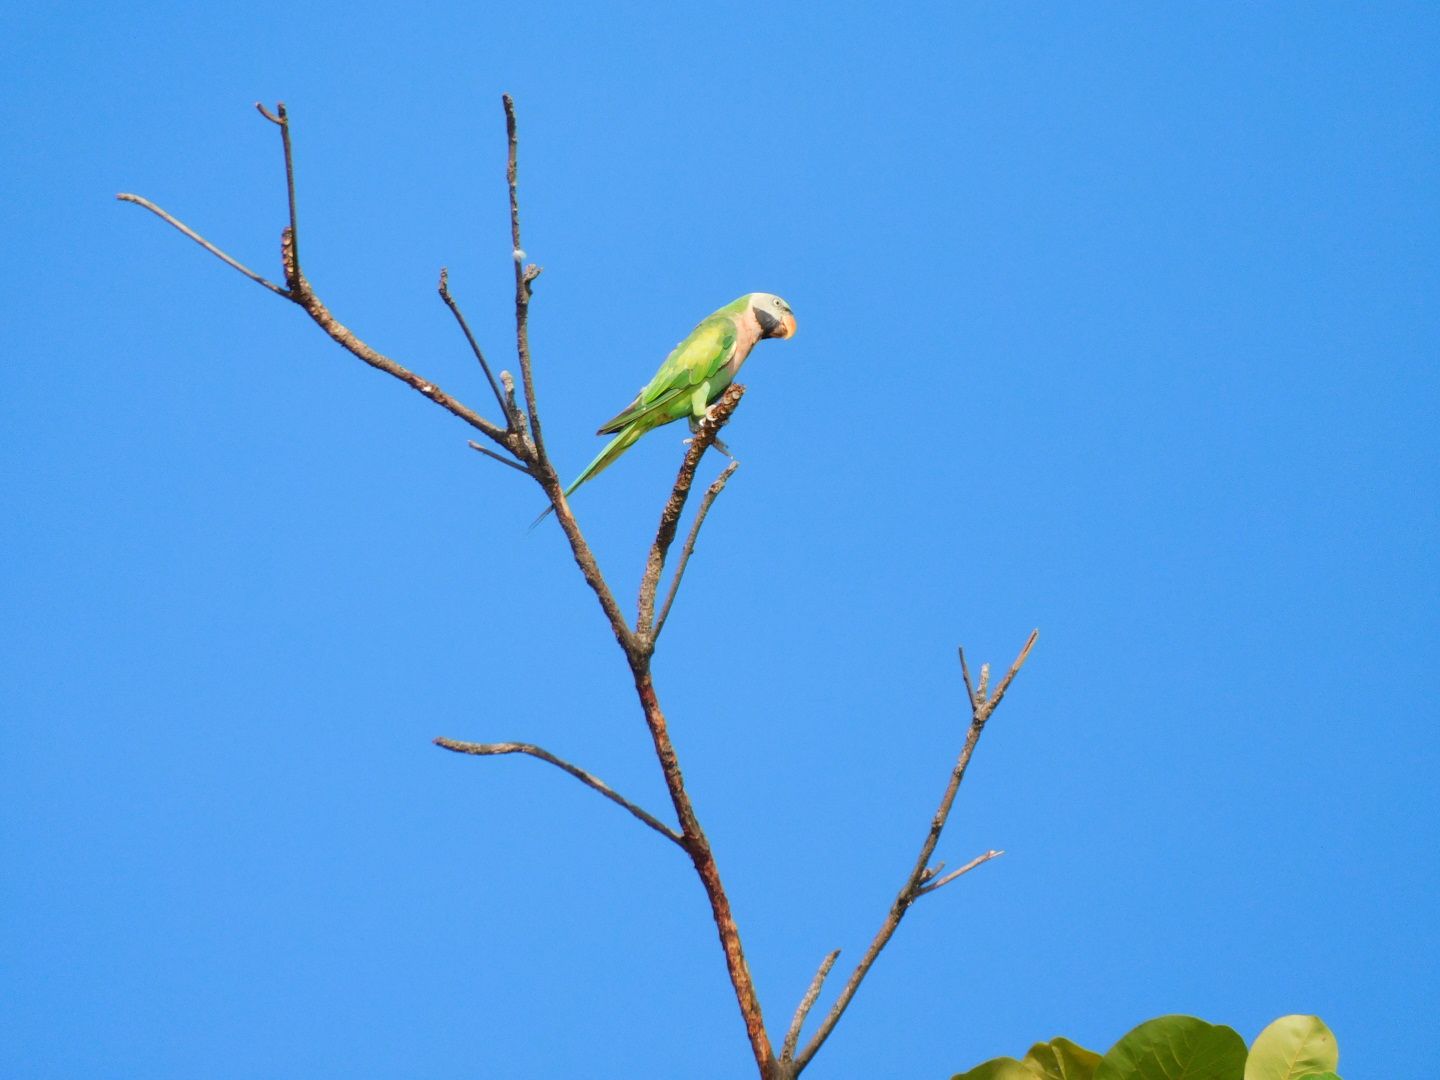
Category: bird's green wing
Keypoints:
(698, 358)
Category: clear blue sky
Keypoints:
(1115, 320)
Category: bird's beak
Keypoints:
(787, 325)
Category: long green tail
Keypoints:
(603, 460)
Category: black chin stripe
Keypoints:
(768, 322)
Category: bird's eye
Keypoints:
(778, 304)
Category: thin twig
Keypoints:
(193, 235)
(706, 433)
(994, 700)
(499, 457)
(971, 865)
(524, 278)
(969, 687)
(590, 780)
(792, 1037)
(912, 889)
(474, 345)
(711, 494)
(281, 119)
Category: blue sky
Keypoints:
(1115, 320)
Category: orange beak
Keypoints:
(787, 324)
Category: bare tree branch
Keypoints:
(474, 345)
(303, 295)
(703, 859)
(193, 235)
(705, 435)
(590, 780)
(912, 889)
(971, 865)
(792, 1037)
(281, 119)
(711, 494)
(501, 458)
(524, 283)
(521, 439)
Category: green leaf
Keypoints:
(1061, 1059)
(1320, 1076)
(1175, 1048)
(1004, 1068)
(1292, 1047)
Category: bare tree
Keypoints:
(518, 443)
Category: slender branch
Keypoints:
(792, 1037)
(500, 458)
(305, 296)
(711, 494)
(969, 687)
(971, 865)
(281, 119)
(474, 345)
(911, 890)
(590, 780)
(705, 435)
(193, 235)
(524, 281)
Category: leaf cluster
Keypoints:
(1181, 1048)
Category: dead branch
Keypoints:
(475, 347)
(971, 865)
(711, 494)
(524, 282)
(792, 1037)
(915, 884)
(588, 779)
(125, 196)
(708, 431)
(521, 447)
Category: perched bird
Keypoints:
(693, 375)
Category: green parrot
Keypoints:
(693, 375)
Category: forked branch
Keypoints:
(706, 434)
(711, 494)
(519, 445)
(919, 881)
